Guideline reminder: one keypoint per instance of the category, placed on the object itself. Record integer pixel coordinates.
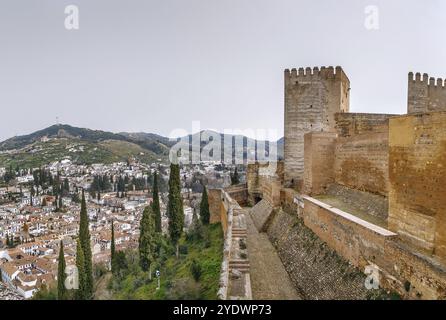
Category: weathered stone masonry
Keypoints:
(312, 97)
(380, 168)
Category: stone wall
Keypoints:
(361, 160)
(239, 193)
(354, 239)
(287, 200)
(357, 157)
(316, 270)
(319, 161)
(261, 214)
(351, 124)
(234, 284)
(312, 97)
(425, 94)
(264, 181)
(417, 202)
(400, 268)
(373, 204)
(214, 199)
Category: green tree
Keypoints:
(195, 269)
(147, 240)
(112, 248)
(156, 204)
(204, 208)
(84, 237)
(81, 292)
(66, 187)
(235, 179)
(175, 206)
(196, 230)
(61, 275)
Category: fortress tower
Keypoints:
(425, 94)
(312, 97)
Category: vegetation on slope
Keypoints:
(194, 275)
(78, 151)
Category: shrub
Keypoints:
(183, 249)
(242, 244)
(99, 270)
(184, 289)
(195, 269)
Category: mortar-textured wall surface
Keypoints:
(215, 204)
(402, 266)
(362, 151)
(312, 97)
(317, 271)
(398, 264)
(354, 242)
(263, 180)
(239, 193)
(260, 214)
(319, 161)
(374, 204)
(351, 124)
(361, 162)
(271, 190)
(287, 203)
(252, 178)
(417, 201)
(425, 94)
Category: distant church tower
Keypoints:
(312, 97)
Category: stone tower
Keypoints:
(425, 94)
(312, 97)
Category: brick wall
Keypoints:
(312, 97)
(425, 94)
(356, 240)
(409, 273)
(361, 160)
(215, 204)
(417, 202)
(315, 269)
(319, 161)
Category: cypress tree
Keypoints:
(175, 206)
(84, 237)
(147, 240)
(235, 179)
(156, 204)
(61, 275)
(112, 248)
(204, 208)
(81, 293)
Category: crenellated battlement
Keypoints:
(315, 73)
(417, 78)
(312, 97)
(425, 94)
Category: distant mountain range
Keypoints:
(86, 146)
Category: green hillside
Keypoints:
(78, 151)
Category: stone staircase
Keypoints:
(239, 233)
(240, 265)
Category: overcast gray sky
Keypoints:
(158, 65)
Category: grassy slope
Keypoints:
(176, 269)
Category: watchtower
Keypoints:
(312, 97)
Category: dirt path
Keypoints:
(269, 279)
(101, 292)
